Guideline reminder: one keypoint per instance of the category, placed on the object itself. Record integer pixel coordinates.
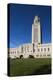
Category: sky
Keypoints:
(20, 20)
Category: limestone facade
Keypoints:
(38, 51)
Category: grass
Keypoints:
(22, 67)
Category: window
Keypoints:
(48, 49)
(40, 55)
(44, 55)
(33, 50)
(22, 49)
(17, 51)
(44, 49)
(37, 55)
(38, 50)
(41, 49)
(13, 52)
(48, 55)
(28, 48)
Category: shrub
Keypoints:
(21, 56)
(31, 56)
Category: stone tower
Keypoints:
(36, 31)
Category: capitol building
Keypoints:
(36, 48)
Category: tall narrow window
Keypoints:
(38, 50)
(48, 49)
(44, 49)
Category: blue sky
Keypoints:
(20, 23)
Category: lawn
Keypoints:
(22, 67)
